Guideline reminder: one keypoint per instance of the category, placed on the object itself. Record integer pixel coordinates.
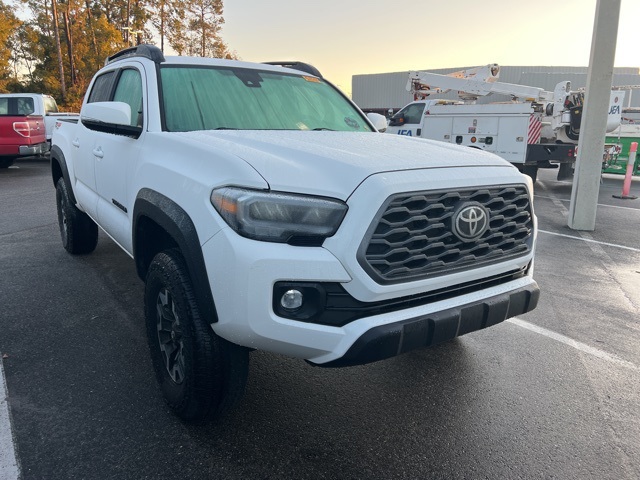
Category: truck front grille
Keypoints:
(424, 234)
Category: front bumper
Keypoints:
(396, 338)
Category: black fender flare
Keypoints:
(57, 159)
(176, 222)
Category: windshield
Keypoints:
(209, 98)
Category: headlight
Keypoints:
(279, 217)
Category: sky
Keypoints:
(344, 37)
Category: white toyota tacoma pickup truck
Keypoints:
(264, 210)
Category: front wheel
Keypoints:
(201, 375)
(78, 232)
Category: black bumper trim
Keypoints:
(394, 339)
(330, 304)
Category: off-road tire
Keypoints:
(78, 232)
(201, 375)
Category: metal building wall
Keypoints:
(380, 90)
(388, 90)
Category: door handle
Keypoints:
(98, 152)
(75, 143)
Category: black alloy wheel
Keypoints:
(201, 375)
(78, 232)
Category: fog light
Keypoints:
(291, 300)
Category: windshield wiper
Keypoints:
(225, 128)
(323, 128)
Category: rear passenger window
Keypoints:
(25, 106)
(102, 87)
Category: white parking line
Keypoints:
(8, 462)
(599, 204)
(583, 347)
(590, 240)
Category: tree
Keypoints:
(64, 42)
(88, 38)
(68, 34)
(206, 19)
(165, 16)
(9, 25)
(196, 31)
(56, 36)
(85, 39)
(25, 54)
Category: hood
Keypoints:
(333, 164)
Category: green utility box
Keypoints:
(617, 162)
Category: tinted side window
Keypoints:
(129, 91)
(25, 106)
(16, 106)
(101, 90)
(412, 113)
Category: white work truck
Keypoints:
(264, 210)
(536, 129)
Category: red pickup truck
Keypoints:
(26, 124)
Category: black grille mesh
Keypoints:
(413, 237)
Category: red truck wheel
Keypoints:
(6, 162)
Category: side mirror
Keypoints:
(396, 121)
(378, 121)
(109, 117)
(115, 113)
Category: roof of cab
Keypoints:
(154, 54)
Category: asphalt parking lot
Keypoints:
(552, 394)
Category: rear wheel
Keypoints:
(201, 375)
(6, 162)
(78, 232)
(565, 172)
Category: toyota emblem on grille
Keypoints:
(470, 222)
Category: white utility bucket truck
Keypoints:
(536, 129)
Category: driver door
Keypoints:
(407, 121)
(115, 155)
